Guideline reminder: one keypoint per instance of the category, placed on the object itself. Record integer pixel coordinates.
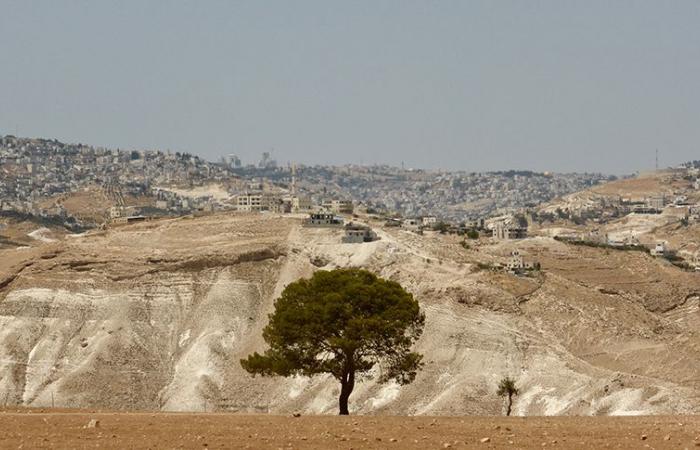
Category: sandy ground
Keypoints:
(70, 429)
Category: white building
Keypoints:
(429, 220)
(660, 249)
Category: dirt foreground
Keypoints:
(93, 429)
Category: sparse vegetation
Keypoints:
(319, 261)
(507, 389)
(342, 322)
(683, 265)
(442, 227)
(479, 266)
(679, 262)
(639, 248)
(69, 223)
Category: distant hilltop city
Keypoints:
(86, 186)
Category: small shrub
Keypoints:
(473, 234)
(479, 266)
(507, 388)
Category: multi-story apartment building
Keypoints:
(258, 202)
(338, 206)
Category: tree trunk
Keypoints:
(347, 384)
(510, 404)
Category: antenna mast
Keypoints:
(657, 159)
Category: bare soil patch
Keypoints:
(71, 429)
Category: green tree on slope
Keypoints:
(342, 322)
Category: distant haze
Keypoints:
(473, 85)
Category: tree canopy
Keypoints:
(342, 322)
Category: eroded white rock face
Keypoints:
(184, 327)
(166, 329)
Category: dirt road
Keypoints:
(31, 429)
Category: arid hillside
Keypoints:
(157, 315)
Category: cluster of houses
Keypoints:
(355, 233)
(501, 229)
(288, 203)
(603, 209)
(452, 195)
(687, 258)
(34, 169)
(412, 223)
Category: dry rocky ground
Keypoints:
(81, 429)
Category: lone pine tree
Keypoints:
(342, 322)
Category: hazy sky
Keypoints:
(475, 85)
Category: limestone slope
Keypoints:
(157, 316)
